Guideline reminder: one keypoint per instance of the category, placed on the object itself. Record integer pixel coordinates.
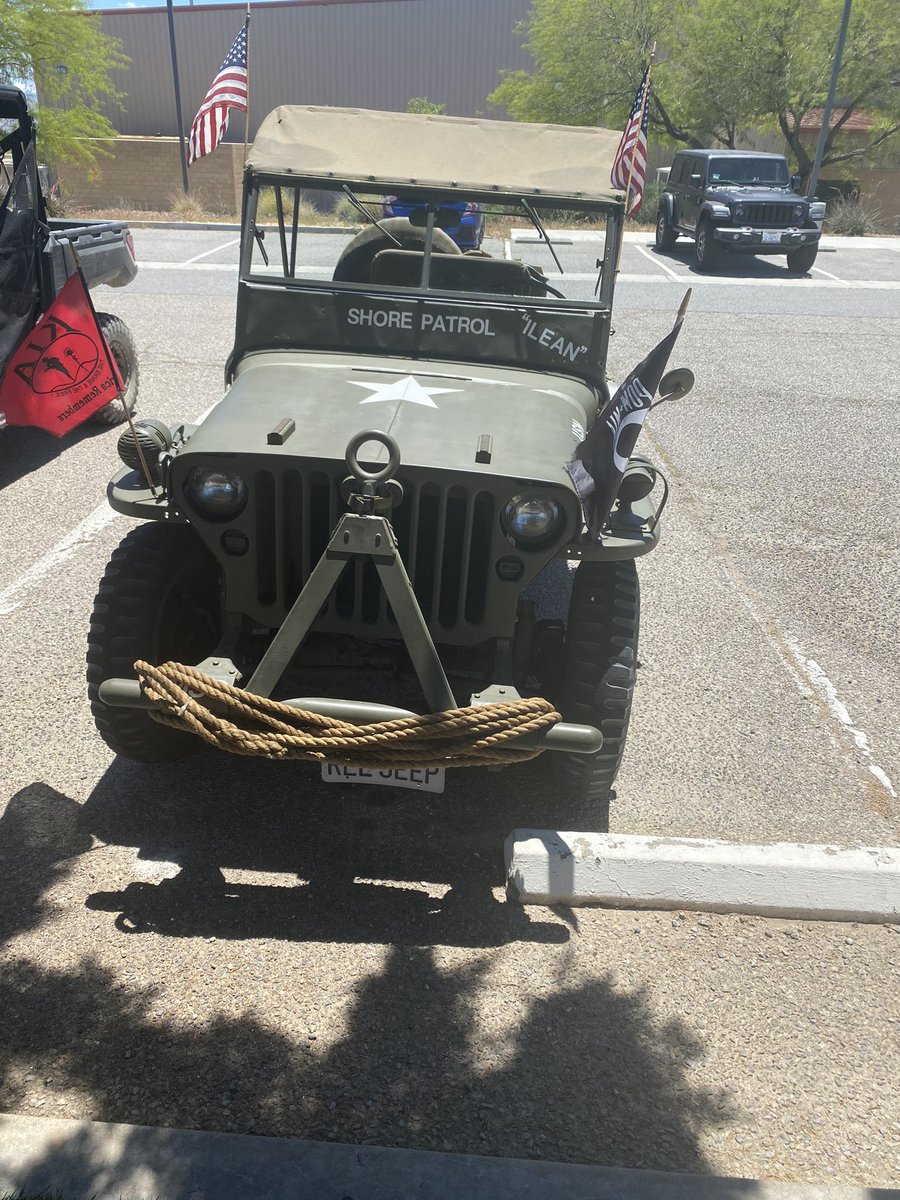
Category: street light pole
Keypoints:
(178, 118)
(829, 103)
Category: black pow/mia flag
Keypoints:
(600, 460)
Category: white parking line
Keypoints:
(207, 253)
(828, 275)
(662, 266)
(83, 533)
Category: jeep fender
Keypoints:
(667, 205)
(706, 212)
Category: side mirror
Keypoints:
(675, 384)
(796, 180)
(697, 180)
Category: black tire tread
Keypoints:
(601, 661)
(117, 333)
(124, 617)
(357, 256)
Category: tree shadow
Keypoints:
(41, 832)
(427, 1059)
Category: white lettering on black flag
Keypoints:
(601, 458)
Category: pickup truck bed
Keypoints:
(105, 251)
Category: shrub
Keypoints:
(852, 217)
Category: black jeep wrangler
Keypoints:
(741, 202)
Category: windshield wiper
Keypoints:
(536, 222)
(365, 212)
(258, 235)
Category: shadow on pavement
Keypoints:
(41, 831)
(356, 858)
(590, 1075)
(739, 266)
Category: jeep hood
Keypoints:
(753, 194)
(436, 411)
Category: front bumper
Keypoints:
(765, 241)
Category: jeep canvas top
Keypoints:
(387, 471)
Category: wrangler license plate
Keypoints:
(771, 235)
(419, 779)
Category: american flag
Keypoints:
(634, 146)
(228, 90)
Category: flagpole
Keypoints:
(247, 113)
(178, 117)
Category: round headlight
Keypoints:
(217, 494)
(738, 210)
(530, 520)
(798, 210)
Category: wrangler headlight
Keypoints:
(531, 520)
(799, 210)
(215, 493)
(737, 210)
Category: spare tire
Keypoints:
(356, 260)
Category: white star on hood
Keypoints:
(407, 388)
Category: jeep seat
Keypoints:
(456, 273)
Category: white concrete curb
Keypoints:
(785, 879)
(134, 1162)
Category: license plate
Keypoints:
(772, 235)
(419, 779)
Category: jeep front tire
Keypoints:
(598, 685)
(707, 250)
(801, 260)
(159, 600)
(666, 237)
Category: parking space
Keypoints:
(258, 951)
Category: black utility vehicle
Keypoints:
(38, 253)
(740, 202)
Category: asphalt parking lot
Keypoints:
(235, 945)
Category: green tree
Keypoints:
(724, 67)
(39, 36)
(421, 104)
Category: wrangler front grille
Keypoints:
(777, 215)
(444, 534)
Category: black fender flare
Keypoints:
(667, 204)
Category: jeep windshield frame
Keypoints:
(550, 170)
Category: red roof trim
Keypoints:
(860, 122)
(183, 8)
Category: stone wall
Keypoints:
(145, 173)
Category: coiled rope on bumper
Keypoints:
(481, 735)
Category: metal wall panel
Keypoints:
(368, 54)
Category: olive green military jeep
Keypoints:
(385, 475)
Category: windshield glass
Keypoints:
(771, 172)
(510, 250)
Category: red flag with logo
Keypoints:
(63, 370)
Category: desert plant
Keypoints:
(852, 217)
(267, 207)
(187, 205)
(646, 215)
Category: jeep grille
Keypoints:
(769, 214)
(444, 534)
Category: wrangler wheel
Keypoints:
(159, 600)
(666, 237)
(802, 259)
(707, 251)
(600, 666)
(121, 346)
